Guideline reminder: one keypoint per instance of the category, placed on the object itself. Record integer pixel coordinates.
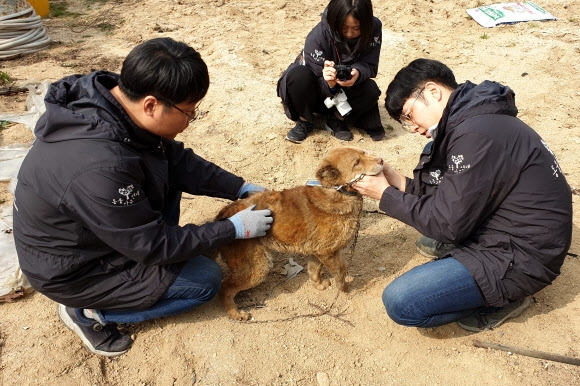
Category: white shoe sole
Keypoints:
(66, 319)
(423, 253)
(293, 141)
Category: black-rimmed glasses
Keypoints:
(190, 117)
(405, 118)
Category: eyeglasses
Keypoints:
(405, 118)
(190, 117)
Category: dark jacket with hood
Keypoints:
(490, 184)
(96, 205)
(320, 45)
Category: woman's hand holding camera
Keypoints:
(329, 74)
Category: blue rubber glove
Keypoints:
(252, 223)
(249, 188)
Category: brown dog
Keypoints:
(317, 221)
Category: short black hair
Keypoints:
(167, 69)
(362, 10)
(411, 78)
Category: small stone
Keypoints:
(322, 379)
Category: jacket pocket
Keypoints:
(517, 284)
(119, 265)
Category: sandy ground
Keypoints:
(304, 336)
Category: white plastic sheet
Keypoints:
(11, 277)
(11, 156)
(34, 105)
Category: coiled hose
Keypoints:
(22, 35)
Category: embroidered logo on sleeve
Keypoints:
(128, 196)
(317, 56)
(376, 41)
(556, 171)
(458, 166)
(437, 177)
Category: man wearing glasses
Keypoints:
(488, 195)
(96, 206)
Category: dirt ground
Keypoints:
(303, 336)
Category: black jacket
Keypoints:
(490, 184)
(96, 205)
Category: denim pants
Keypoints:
(197, 283)
(433, 294)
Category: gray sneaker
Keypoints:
(481, 322)
(98, 338)
(433, 249)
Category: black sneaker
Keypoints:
(299, 133)
(377, 133)
(432, 248)
(98, 338)
(481, 322)
(338, 128)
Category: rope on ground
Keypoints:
(22, 33)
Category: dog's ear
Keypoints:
(328, 175)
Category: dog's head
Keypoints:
(343, 164)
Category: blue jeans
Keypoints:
(433, 294)
(197, 283)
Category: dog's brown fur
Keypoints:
(314, 221)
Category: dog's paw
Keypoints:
(240, 316)
(322, 284)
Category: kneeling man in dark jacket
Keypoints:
(97, 202)
(488, 195)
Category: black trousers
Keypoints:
(301, 96)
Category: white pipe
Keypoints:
(22, 35)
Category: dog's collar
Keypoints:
(342, 189)
(339, 188)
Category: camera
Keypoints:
(343, 72)
(339, 100)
